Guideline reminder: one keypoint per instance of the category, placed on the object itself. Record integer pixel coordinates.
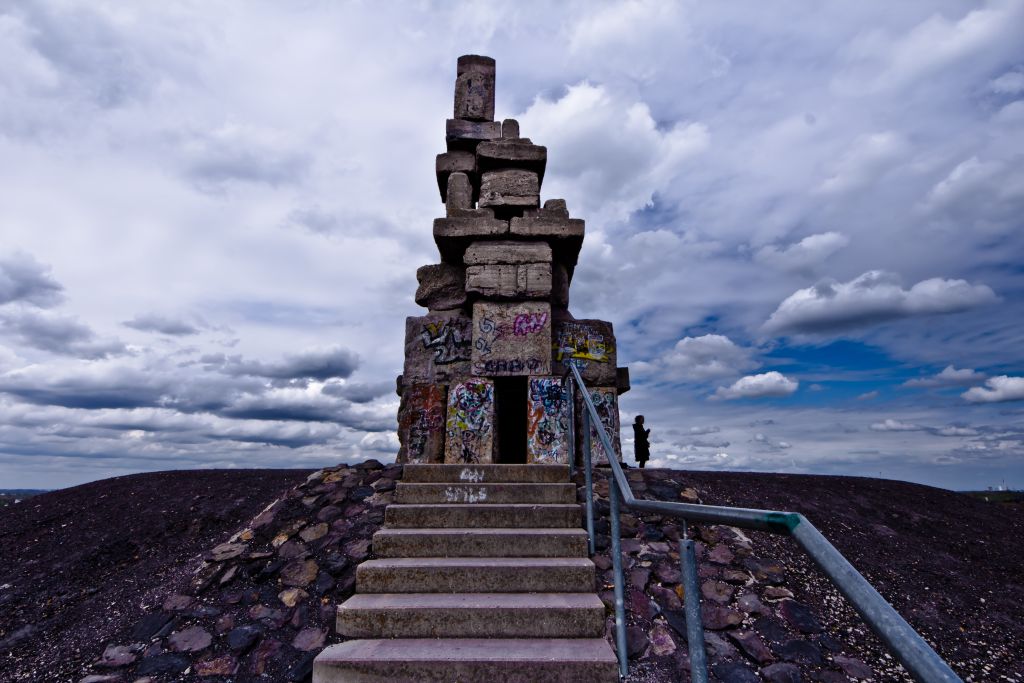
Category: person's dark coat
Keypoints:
(641, 443)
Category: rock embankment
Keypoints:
(770, 615)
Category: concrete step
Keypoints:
(480, 543)
(478, 474)
(476, 575)
(485, 493)
(471, 615)
(468, 660)
(475, 515)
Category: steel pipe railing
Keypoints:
(923, 663)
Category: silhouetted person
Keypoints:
(641, 443)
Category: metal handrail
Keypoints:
(923, 663)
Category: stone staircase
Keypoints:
(482, 575)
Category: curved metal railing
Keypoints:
(923, 663)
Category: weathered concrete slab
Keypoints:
(472, 516)
(437, 348)
(478, 660)
(469, 433)
(460, 194)
(480, 542)
(512, 153)
(421, 424)
(458, 161)
(510, 187)
(484, 493)
(476, 575)
(622, 380)
(456, 615)
(442, 286)
(606, 401)
(507, 281)
(462, 134)
(474, 88)
(513, 474)
(590, 346)
(559, 285)
(547, 421)
(548, 227)
(511, 339)
(509, 129)
(454, 235)
(507, 251)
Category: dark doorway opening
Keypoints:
(510, 406)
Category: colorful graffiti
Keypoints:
(547, 422)
(469, 431)
(607, 405)
(582, 343)
(448, 338)
(511, 339)
(529, 323)
(421, 423)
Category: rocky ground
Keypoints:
(948, 563)
(234, 576)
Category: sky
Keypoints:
(804, 219)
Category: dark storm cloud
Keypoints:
(359, 392)
(114, 388)
(314, 364)
(162, 325)
(23, 279)
(57, 334)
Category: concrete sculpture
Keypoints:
(483, 367)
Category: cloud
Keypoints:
(700, 358)
(23, 279)
(612, 156)
(312, 364)
(768, 384)
(804, 255)
(997, 390)
(948, 377)
(868, 396)
(1010, 83)
(872, 298)
(57, 334)
(236, 153)
(866, 159)
(954, 430)
(891, 425)
(162, 325)
(359, 392)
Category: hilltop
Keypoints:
(93, 570)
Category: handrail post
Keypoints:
(694, 621)
(620, 602)
(588, 473)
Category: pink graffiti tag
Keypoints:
(529, 323)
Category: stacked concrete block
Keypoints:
(498, 301)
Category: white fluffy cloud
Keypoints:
(948, 377)
(871, 298)
(891, 425)
(768, 384)
(709, 356)
(997, 390)
(804, 255)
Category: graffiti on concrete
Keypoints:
(511, 366)
(606, 402)
(421, 423)
(529, 323)
(469, 433)
(582, 343)
(448, 338)
(547, 422)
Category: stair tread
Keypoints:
(482, 531)
(481, 562)
(376, 601)
(517, 650)
(485, 473)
